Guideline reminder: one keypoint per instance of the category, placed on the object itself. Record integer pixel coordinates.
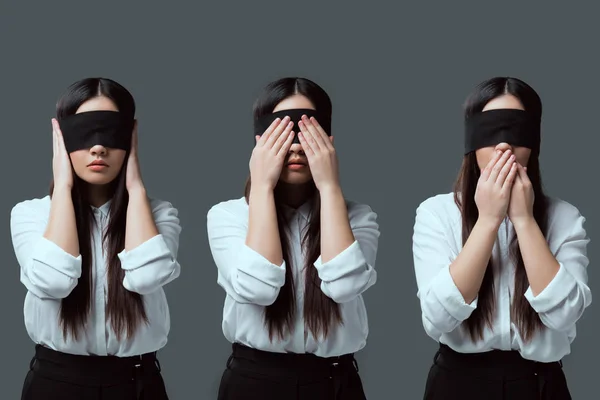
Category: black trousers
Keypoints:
(495, 375)
(255, 374)
(54, 375)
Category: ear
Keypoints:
(257, 137)
(331, 139)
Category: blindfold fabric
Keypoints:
(262, 124)
(515, 127)
(87, 129)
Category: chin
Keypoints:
(97, 179)
(296, 179)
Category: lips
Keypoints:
(296, 162)
(98, 162)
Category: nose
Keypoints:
(98, 150)
(504, 146)
(297, 149)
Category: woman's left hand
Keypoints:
(520, 208)
(320, 153)
(133, 175)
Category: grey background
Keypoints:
(397, 75)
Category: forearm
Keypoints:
(540, 264)
(336, 232)
(468, 269)
(263, 229)
(140, 225)
(62, 225)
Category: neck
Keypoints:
(295, 195)
(98, 195)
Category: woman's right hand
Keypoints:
(492, 195)
(61, 162)
(270, 152)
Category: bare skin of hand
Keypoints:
(270, 153)
(520, 209)
(61, 163)
(133, 177)
(320, 153)
(494, 187)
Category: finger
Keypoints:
(505, 170)
(510, 178)
(523, 173)
(57, 127)
(286, 145)
(266, 134)
(282, 138)
(286, 123)
(134, 137)
(499, 164)
(485, 174)
(314, 134)
(54, 142)
(60, 141)
(308, 150)
(326, 138)
(308, 137)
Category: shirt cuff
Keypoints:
(147, 252)
(450, 297)
(345, 263)
(255, 265)
(49, 253)
(557, 290)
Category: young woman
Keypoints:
(94, 256)
(294, 258)
(500, 266)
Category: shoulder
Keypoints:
(361, 215)
(561, 209)
(163, 210)
(38, 207)
(356, 209)
(234, 207)
(439, 212)
(441, 205)
(563, 215)
(158, 204)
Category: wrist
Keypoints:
(261, 193)
(137, 191)
(489, 223)
(523, 222)
(261, 188)
(330, 190)
(60, 188)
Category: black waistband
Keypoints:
(289, 364)
(91, 370)
(497, 363)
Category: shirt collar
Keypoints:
(104, 208)
(303, 210)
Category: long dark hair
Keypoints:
(124, 308)
(525, 317)
(320, 312)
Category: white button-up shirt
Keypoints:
(437, 241)
(50, 274)
(251, 282)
